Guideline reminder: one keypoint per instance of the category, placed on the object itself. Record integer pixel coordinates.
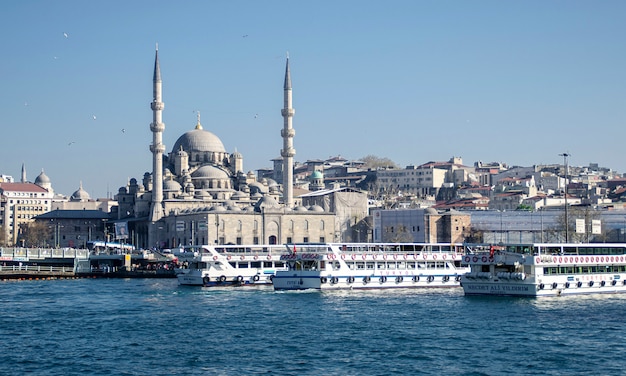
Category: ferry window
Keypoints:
(391, 266)
(243, 265)
(410, 265)
(381, 265)
(280, 264)
(369, 266)
(233, 264)
(238, 240)
(306, 239)
(255, 264)
(351, 265)
(336, 265)
(322, 239)
(255, 240)
(360, 265)
(401, 265)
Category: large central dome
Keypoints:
(199, 141)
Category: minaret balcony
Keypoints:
(157, 106)
(157, 127)
(289, 112)
(288, 152)
(287, 132)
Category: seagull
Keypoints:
(245, 36)
(94, 117)
(123, 130)
(65, 35)
(256, 116)
(70, 143)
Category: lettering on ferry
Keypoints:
(496, 288)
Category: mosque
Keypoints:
(199, 193)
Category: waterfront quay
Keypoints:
(62, 263)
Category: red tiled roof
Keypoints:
(22, 187)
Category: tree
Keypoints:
(2, 236)
(374, 162)
(585, 213)
(34, 234)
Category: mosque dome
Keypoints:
(199, 141)
(317, 175)
(80, 195)
(42, 179)
(210, 172)
(171, 186)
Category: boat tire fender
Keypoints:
(206, 280)
(222, 278)
(255, 278)
(383, 279)
(431, 278)
(367, 279)
(416, 278)
(323, 279)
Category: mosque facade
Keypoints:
(198, 193)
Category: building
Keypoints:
(199, 193)
(21, 202)
(420, 225)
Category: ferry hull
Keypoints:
(317, 282)
(541, 289)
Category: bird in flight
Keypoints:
(123, 130)
(70, 143)
(94, 117)
(65, 35)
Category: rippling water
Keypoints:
(152, 326)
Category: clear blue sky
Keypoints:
(517, 82)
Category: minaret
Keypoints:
(23, 173)
(157, 148)
(287, 133)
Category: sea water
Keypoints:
(156, 327)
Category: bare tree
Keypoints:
(34, 234)
(374, 162)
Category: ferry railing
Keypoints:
(42, 253)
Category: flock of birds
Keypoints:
(66, 35)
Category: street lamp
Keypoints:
(565, 155)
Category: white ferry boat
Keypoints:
(370, 266)
(224, 265)
(545, 269)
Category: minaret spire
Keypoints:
(23, 173)
(157, 148)
(287, 134)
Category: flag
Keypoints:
(294, 248)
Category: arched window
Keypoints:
(321, 225)
(306, 224)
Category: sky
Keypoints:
(517, 82)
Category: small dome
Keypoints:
(171, 186)
(42, 179)
(218, 208)
(80, 195)
(300, 209)
(430, 211)
(317, 175)
(210, 172)
(316, 208)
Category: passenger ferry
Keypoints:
(226, 265)
(545, 269)
(370, 266)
